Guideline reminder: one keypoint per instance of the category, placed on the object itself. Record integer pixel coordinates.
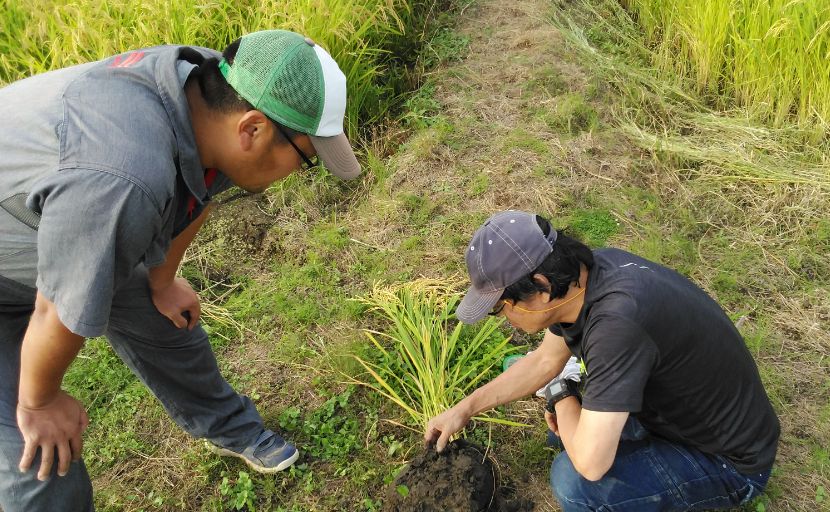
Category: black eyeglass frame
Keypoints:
(497, 309)
(308, 163)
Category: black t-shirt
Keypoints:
(657, 346)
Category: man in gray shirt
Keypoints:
(107, 174)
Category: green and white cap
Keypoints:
(296, 83)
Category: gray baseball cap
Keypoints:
(508, 246)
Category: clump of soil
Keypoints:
(460, 479)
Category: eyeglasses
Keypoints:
(498, 307)
(307, 162)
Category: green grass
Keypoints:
(594, 227)
(111, 393)
(571, 114)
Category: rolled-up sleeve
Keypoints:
(95, 228)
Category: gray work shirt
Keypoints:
(97, 170)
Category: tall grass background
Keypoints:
(361, 35)
(680, 105)
(769, 56)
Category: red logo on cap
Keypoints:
(125, 61)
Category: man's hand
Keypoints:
(58, 425)
(176, 298)
(550, 419)
(442, 427)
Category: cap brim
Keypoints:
(337, 154)
(476, 304)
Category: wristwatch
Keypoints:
(559, 389)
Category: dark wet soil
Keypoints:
(460, 478)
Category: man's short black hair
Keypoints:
(561, 267)
(216, 91)
(220, 96)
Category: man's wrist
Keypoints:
(566, 404)
(36, 403)
(470, 406)
(558, 390)
(158, 283)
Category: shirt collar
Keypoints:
(171, 75)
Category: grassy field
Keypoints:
(769, 56)
(563, 108)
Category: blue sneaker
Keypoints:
(270, 453)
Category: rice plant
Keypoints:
(427, 361)
(769, 55)
(38, 36)
(669, 112)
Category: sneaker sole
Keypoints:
(256, 467)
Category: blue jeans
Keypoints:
(176, 364)
(652, 474)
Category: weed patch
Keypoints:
(571, 115)
(330, 431)
(594, 227)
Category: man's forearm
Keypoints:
(567, 419)
(163, 275)
(48, 350)
(522, 379)
(589, 437)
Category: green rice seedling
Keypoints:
(427, 361)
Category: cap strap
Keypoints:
(552, 236)
(224, 68)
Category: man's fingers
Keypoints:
(195, 313)
(178, 320)
(84, 419)
(76, 444)
(47, 456)
(430, 435)
(29, 451)
(64, 458)
(443, 439)
(550, 419)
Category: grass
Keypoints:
(662, 113)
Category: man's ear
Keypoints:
(251, 128)
(543, 282)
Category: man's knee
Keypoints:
(568, 486)
(24, 492)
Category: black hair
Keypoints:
(221, 97)
(561, 268)
(216, 91)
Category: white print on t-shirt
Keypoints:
(632, 263)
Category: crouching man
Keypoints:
(672, 414)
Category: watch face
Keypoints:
(554, 388)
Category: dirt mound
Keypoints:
(460, 478)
